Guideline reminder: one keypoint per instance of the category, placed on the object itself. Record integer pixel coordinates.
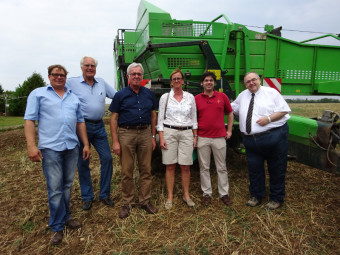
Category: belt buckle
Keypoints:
(181, 128)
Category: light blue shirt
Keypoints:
(92, 98)
(57, 118)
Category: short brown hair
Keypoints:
(59, 67)
(177, 70)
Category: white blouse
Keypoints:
(179, 114)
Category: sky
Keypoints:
(39, 33)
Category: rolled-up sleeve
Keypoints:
(194, 114)
(161, 112)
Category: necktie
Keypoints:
(250, 114)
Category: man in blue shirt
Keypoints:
(133, 110)
(92, 93)
(59, 117)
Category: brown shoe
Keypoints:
(73, 224)
(149, 208)
(57, 237)
(206, 200)
(226, 200)
(124, 212)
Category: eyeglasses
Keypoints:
(56, 75)
(177, 79)
(136, 74)
(92, 66)
(252, 80)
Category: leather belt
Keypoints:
(93, 121)
(135, 127)
(178, 128)
(263, 133)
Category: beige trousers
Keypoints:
(218, 147)
(134, 143)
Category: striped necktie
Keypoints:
(250, 114)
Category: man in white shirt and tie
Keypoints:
(265, 137)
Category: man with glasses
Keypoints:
(212, 135)
(92, 92)
(59, 117)
(133, 110)
(263, 114)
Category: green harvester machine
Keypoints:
(230, 50)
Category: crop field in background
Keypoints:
(307, 223)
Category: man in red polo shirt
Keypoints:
(212, 136)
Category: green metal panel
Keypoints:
(304, 69)
(300, 128)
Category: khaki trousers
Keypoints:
(135, 142)
(218, 147)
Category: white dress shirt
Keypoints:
(179, 114)
(266, 102)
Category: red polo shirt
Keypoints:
(210, 114)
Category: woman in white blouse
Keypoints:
(177, 128)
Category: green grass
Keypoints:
(10, 121)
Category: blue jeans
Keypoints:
(272, 147)
(59, 168)
(98, 138)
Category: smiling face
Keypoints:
(89, 68)
(176, 80)
(135, 76)
(208, 84)
(57, 78)
(252, 82)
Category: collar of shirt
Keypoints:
(207, 96)
(172, 95)
(82, 80)
(49, 87)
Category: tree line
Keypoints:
(16, 100)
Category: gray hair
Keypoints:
(133, 65)
(83, 59)
(257, 75)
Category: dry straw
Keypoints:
(307, 223)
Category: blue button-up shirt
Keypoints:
(92, 98)
(134, 109)
(57, 118)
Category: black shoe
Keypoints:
(87, 205)
(149, 208)
(108, 201)
(73, 224)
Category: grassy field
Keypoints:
(10, 121)
(313, 109)
(307, 223)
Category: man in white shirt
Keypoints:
(265, 137)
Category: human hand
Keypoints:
(34, 154)
(86, 152)
(116, 148)
(263, 121)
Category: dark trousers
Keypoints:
(272, 147)
(98, 138)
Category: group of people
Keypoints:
(69, 112)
